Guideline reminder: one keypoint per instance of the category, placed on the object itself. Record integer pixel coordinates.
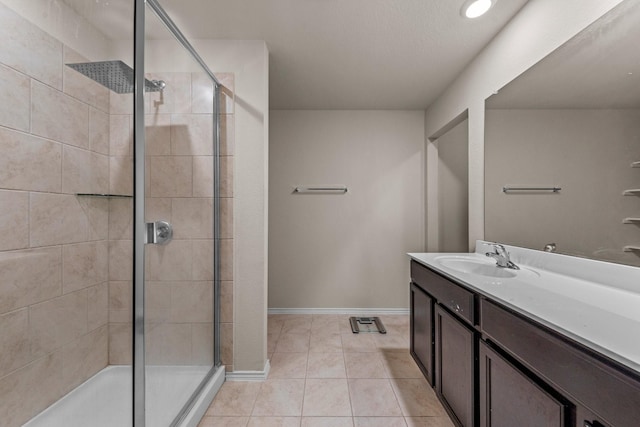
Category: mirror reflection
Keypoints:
(572, 122)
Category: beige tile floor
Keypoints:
(323, 375)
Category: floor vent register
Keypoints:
(367, 325)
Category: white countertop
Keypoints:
(592, 302)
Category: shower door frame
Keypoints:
(139, 228)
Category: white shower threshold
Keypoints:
(105, 400)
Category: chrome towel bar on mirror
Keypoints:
(321, 189)
(517, 189)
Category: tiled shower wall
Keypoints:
(54, 143)
(179, 187)
(65, 260)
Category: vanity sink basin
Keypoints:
(483, 267)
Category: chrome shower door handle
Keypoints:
(159, 232)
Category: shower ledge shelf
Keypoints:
(634, 192)
(631, 248)
(631, 221)
(104, 195)
(635, 164)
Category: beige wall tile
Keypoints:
(57, 219)
(192, 218)
(84, 264)
(192, 134)
(169, 262)
(120, 260)
(120, 299)
(84, 171)
(120, 219)
(96, 210)
(85, 356)
(226, 259)
(56, 322)
(158, 209)
(29, 163)
(14, 341)
(30, 50)
(226, 301)
(29, 277)
(98, 131)
(120, 103)
(226, 176)
(121, 175)
(191, 302)
(59, 117)
(80, 87)
(227, 135)
(120, 336)
(14, 220)
(226, 343)
(97, 306)
(170, 176)
(168, 343)
(157, 301)
(15, 92)
(203, 176)
(120, 135)
(226, 218)
(202, 343)
(201, 94)
(175, 97)
(158, 134)
(26, 392)
(202, 262)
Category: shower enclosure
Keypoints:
(109, 216)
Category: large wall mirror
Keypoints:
(572, 122)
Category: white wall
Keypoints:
(453, 189)
(344, 250)
(538, 29)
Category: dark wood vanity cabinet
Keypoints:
(508, 397)
(443, 341)
(494, 367)
(454, 371)
(421, 326)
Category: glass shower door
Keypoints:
(180, 127)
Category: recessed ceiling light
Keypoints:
(476, 8)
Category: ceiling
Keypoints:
(335, 54)
(598, 68)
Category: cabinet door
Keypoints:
(510, 398)
(422, 331)
(454, 372)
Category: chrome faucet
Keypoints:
(501, 256)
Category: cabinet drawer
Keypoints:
(447, 293)
(605, 390)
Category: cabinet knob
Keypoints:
(455, 307)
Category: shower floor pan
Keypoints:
(105, 400)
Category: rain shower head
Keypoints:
(114, 75)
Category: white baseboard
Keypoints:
(250, 375)
(352, 311)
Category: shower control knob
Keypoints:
(159, 232)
